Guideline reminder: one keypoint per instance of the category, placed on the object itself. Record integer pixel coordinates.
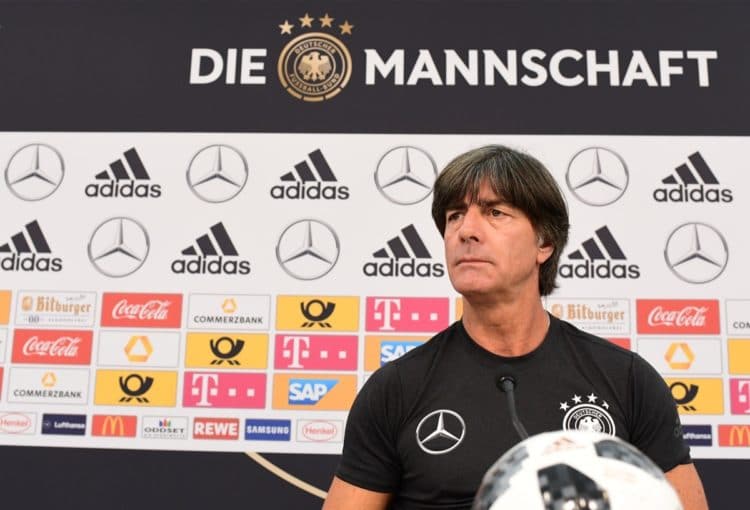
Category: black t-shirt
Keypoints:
(427, 426)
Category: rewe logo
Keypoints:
(212, 255)
(396, 260)
(118, 183)
(23, 256)
(697, 185)
(302, 183)
(599, 257)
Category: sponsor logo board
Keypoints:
(55, 309)
(135, 388)
(604, 317)
(320, 431)
(229, 311)
(5, 296)
(227, 350)
(329, 313)
(64, 424)
(698, 435)
(739, 395)
(678, 316)
(139, 349)
(48, 386)
(316, 352)
(738, 317)
(17, 423)
(164, 427)
(734, 435)
(404, 255)
(111, 425)
(379, 350)
(313, 392)
(694, 356)
(52, 346)
(268, 430)
(406, 314)
(697, 396)
(739, 356)
(224, 390)
(133, 310)
(216, 428)
(3, 343)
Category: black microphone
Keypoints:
(507, 383)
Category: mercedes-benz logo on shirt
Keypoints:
(217, 173)
(308, 249)
(34, 171)
(696, 252)
(597, 176)
(440, 431)
(118, 247)
(405, 175)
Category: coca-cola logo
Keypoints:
(62, 347)
(14, 423)
(319, 430)
(154, 309)
(687, 316)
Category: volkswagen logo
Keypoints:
(440, 431)
(118, 247)
(597, 176)
(34, 171)
(308, 249)
(696, 252)
(217, 173)
(405, 175)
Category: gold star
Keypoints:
(346, 28)
(306, 21)
(286, 28)
(326, 20)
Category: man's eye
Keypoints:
(454, 216)
(496, 212)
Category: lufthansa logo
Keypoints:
(696, 252)
(597, 176)
(217, 173)
(308, 249)
(34, 171)
(118, 247)
(440, 431)
(314, 66)
(405, 175)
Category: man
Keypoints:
(425, 427)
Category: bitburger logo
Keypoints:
(315, 66)
(215, 254)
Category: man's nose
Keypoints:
(470, 225)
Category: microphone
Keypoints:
(507, 383)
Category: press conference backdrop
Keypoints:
(216, 226)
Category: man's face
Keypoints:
(491, 248)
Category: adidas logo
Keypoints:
(399, 259)
(26, 251)
(599, 257)
(210, 255)
(696, 184)
(304, 184)
(117, 182)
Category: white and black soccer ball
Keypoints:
(575, 470)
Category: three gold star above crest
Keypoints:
(325, 21)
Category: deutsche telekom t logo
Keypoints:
(740, 395)
(316, 352)
(227, 390)
(406, 314)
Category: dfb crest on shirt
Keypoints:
(588, 413)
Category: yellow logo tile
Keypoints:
(317, 313)
(739, 356)
(697, 396)
(227, 350)
(135, 388)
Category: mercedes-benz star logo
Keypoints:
(34, 171)
(597, 176)
(308, 249)
(118, 247)
(696, 252)
(217, 173)
(440, 431)
(405, 175)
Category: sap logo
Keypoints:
(309, 391)
(393, 350)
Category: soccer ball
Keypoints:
(575, 470)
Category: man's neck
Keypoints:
(506, 329)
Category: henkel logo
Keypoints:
(734, 435)
(320, 431)
(397, 260)
(229, 311)
(109, 425)
(55, 309)
(316, 352)
(17, 423)
(313, 392)
(318, 313)
(227, 350)
(739, 394)
(678, 316)
(216, 428)
(599, 257)
(139, 349)
(695, 185)
(406, 314)
(697, 396)
(379, 350)
(141, 310)
(224, 390)
(141, 388)
(605, 317)
(681, 356)
(52, 346)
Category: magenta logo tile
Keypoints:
(227, 390)
(739, 394)
(316, 352)
(406, 314)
